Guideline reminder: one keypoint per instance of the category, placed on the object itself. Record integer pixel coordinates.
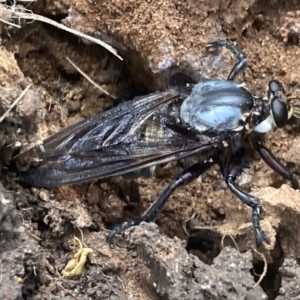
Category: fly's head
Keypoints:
(280, 111)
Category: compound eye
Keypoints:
(275, 86)
(280, 112)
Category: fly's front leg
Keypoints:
(276, 165)
(186, 177)
(231, 171)
(241, 64)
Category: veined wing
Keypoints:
(127, 138)
(98, 131)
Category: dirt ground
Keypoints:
(38, 226)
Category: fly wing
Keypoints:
(130, 137)
(98, 131)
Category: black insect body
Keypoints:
(217, 121)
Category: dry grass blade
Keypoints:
(223, 238)
(14, 103)
(89, 79)
(265, 268)
(9, 23)
(5, 16)
(20, 12)
(31, 16)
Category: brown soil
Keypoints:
(37, 225)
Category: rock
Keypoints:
(175, 274)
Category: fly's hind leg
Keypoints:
(241, 63)
(234, 168)
(186, 177)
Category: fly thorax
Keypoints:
(189, 115)
(216, 104)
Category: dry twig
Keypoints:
(15, 103)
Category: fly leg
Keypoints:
(276, 165)
(186, 177)
(241, 63)
(237, 163)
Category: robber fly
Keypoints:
(217, 121)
